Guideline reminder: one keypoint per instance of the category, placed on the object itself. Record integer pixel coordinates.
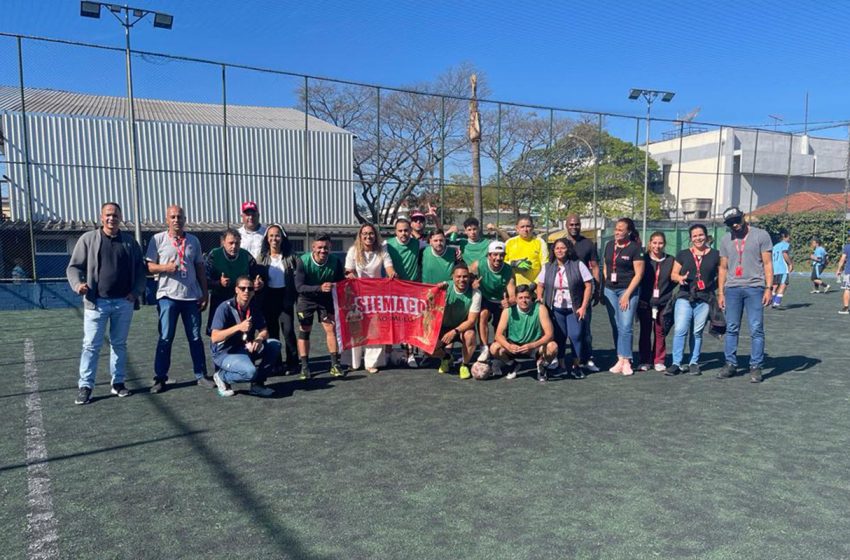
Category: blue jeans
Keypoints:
(238, 367)
(683, 313)
(566, 326)
(738, 300)
(587, 337)
(622, 322)
(169, 311)
(118, 312)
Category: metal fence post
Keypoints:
(847, 183)
(499, 164)
(378, 163)
(306, 162)
(27, 168)
(442, 158)
(596, 179)
(225, 149)
(637, 143)
(131, 130)
(550, 144)
(788, 173)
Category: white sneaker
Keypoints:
(485, 353)
(826, 289)
(591, 367)
(553, 365)
(223, 389)
(411, 362)
(644, 367)
(513, 370)
(660, 367)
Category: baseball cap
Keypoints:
(496, 247)
(732, 214)
(249, 206)
(416, 214)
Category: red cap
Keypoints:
(249, 206)
(417, 214)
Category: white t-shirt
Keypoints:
(373, 265)
(277, 272)
(252, 241)
(563, 299)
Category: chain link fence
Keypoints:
(320, 154)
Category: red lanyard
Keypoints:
(616, 254)
(740, 248)
(247, 312)
(698, 262)
(181, 249)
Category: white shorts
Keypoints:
(845, 282)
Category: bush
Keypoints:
(829, 227)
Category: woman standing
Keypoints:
(278, 297)
(562, 283)
(367, 258)
(623, 258)
(695, 270)
(656, 291)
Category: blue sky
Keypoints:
(738, 61)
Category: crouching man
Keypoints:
(241, 349)
(524, 330)
(463, 304)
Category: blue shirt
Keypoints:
(779, 264)
(820, 257)
(226, 316)
(846, 252)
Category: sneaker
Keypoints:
(727, 371)
(445, 365)
(644, 367)
(553, 365)
(844, 311)
(660, 367)
(206, 382)
(158, 386)
(513, 370)
(464, 372)
(496, 367)
(755, 375)
(411, 362)
(541, 372)
(627, 368)
(83, 396)
(826, 288)
(224, 389)
(591, 367)
(120, 390)
(337, 371)
(577, 372)
(673, 370)
(815, 291)
(260, 390)
(305, 373)
(694, 369)
(484, 355)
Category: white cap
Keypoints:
(496, 247)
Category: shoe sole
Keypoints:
(120, 395)
(80, 403)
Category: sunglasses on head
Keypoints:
(245, 288)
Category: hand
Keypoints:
(458, 254)
(244, 326)
(171, 267)
(351, 275)
(684, 278)
(327, 286)
(130, 297)
(448, 338)
(624, 302)
(581, 313)
(202, 302)
(258, 283)
(82, 289)
(224, 281)
(514, 349)
(476, 283)
(766, 297)
(721, 301)
(524, 349)
(505, 303)
(452, 229)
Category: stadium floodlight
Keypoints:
(163, 21)
(649, 95)
(90, 9)
(128, 16)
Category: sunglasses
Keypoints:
(245, 288)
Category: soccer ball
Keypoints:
(481, 370)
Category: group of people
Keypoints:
(506, 297)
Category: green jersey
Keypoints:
(437, 268)
(472, 251)
(524, 327)
(232, 269)
(459, 305)
(494, 283)
(405, 258)
(316, 274)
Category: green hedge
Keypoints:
(828, 226)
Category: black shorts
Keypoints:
(495, 309)
(306, 307)
(781, 279)
(817, 271)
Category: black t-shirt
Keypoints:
(624, 265)
(586, 250)
(709, 265)
(665, 286)
(114, 266)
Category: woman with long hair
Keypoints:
(368, 258)
(695, 270)
(656, 291)
(278, 297)
(565, 287)
(623, 268)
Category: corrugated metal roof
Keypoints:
(57, 102)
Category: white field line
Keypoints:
(42, 533)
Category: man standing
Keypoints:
(744, 283)
(107, 269)
(843, 275)
(224, 265)
(438, 259)
(818, 258)
(588, 254)
(474, 247)
(315, 274)
(525, 329)
(782, 267)
(177, 258)
(498, 291)
(404, 251)
(241, 348)
(525, 252)
(417, 224)
(251, 231)
(463, 304)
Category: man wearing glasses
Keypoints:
(241, 349)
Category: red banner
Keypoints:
(373, 311)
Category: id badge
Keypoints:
(739, 271)
(656, 293)
(654, 313)
(700, 285)
(614, 277)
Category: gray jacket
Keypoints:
(83, 266)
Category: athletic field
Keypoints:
(412, 464)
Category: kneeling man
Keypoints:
(463, 304)
(525, 329)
